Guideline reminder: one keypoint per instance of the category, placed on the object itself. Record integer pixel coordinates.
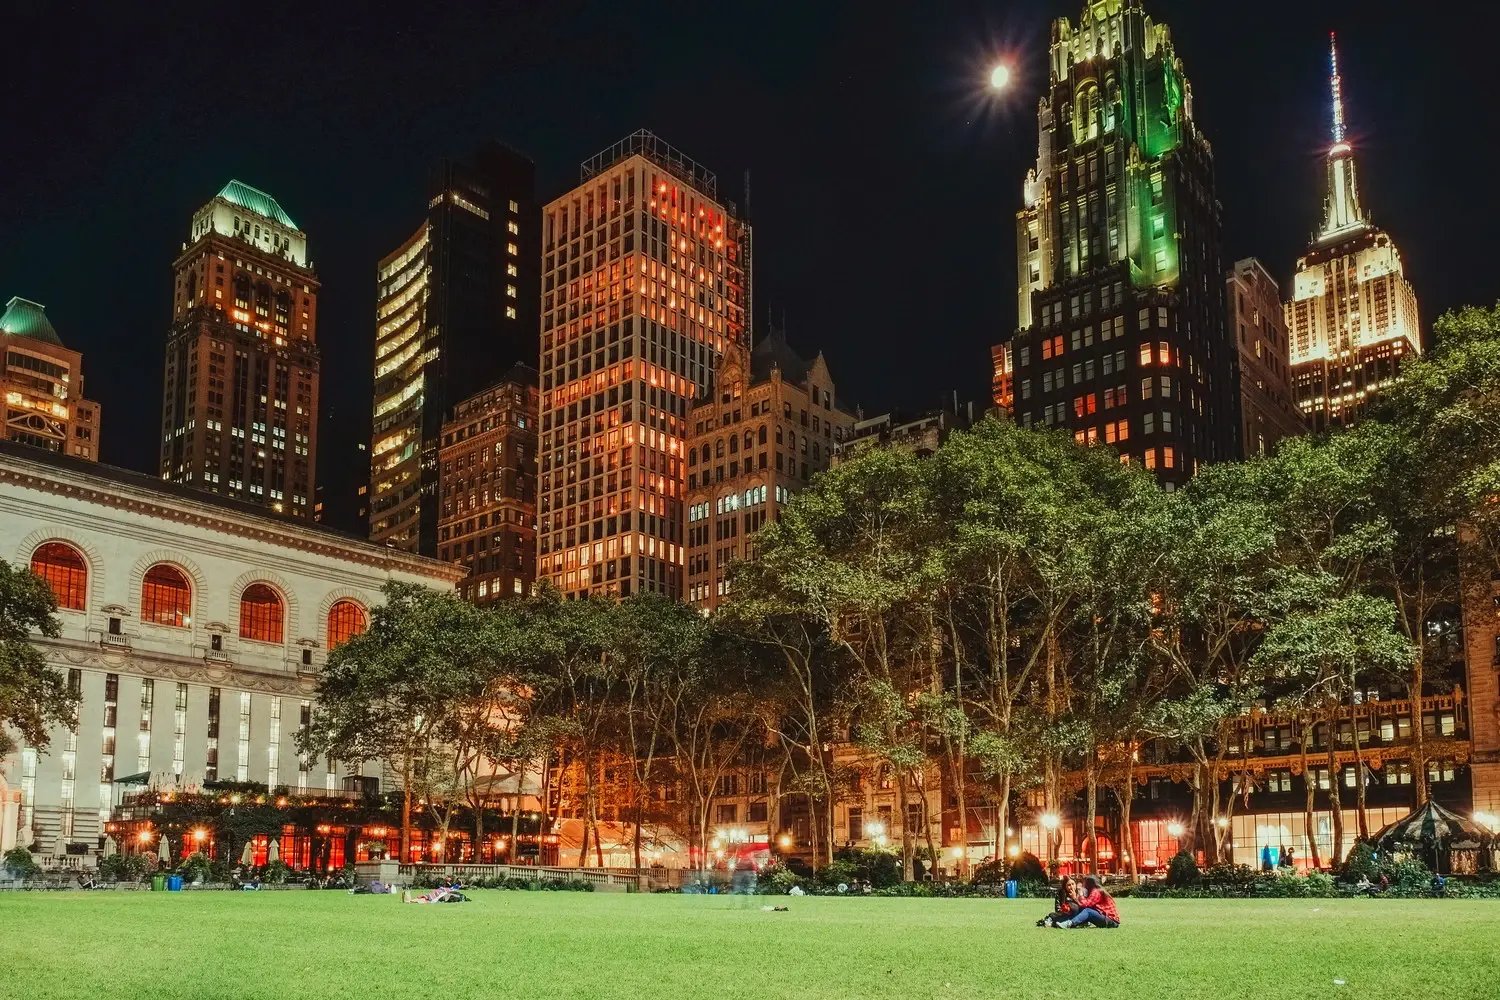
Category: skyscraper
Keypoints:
(1121, 335)
(240, 407)
(455, 309)
(43, 385)
(488, 488)
(643, 291)
(1353, 314)
(1267, 410)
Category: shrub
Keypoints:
(1320, 885)
(777, 880)
(991, 873)
(18, 862)
(1362, 863)
(276, 873)
(1237, 878)
(879, 868)
(1028, 869)
(195, 868)
(835, 872)
(112, 868)
(1182, 871)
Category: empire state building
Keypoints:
(1353, 315)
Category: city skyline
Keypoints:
(1269, 135)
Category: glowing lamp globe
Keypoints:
(1000, 77)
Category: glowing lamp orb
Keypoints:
(1000, 77)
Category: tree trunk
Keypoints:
(1127, 837)
(1335, 802)
(1418, 734)
(1002, 819)
(406, 810)
(908, 849)
(1307, 810)
(1361, 814)
(640, 810)
(583, 846)
(1091, 805)
(514, 855)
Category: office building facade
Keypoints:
(1121, 335)
(1353, 315)
(487, 489)
(643, 292)
(240, 406)
(1268, 413)
(43, 385)
(455, 309)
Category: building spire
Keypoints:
(1336, 88)
(1342, 213)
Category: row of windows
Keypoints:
(167, 598)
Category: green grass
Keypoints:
(287, 945)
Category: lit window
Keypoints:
(65, 572)
(261, 614)
(166, 597)
(345, 621)
(512, 249)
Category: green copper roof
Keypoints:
(24, 318)
(257, 201)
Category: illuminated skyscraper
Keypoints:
(1121, 336)
(455, 309)
(643, 290)
(1353, 314)
(43, 385)
(240, 408)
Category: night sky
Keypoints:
(885, 178)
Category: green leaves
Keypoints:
(33, 696)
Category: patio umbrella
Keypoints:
(164, 850)
(273, 853)
(247, 856)
(109, 847)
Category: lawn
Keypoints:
(286, 945)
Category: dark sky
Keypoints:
(885, 178)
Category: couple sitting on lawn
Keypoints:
(1092, 908)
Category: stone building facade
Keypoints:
(193, 628)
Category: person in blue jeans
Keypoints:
(1098, 908)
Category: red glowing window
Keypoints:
(166, 597)
(345, 621)
(65, 572)
(262, 616)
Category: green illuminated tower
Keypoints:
(1121, 335)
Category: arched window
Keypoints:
(63, 568)
(166, 597)
(261, 614)
(345, 621)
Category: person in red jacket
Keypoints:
(1098, 907)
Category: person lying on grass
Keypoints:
(1097, 908)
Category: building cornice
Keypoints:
(56, 480)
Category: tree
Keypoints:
(33, 697)
(391, 692)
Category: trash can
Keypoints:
(1010, 888)
(174, 883)
(158, 883)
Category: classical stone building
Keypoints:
(1267, 411)
(768, 423)
(193, 627)
(487, 489)
(43, 385)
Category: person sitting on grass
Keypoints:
(1097, 908)
(1064, 903)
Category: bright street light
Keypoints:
(1000, 77)
(1175, 829)
(1050, 821)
